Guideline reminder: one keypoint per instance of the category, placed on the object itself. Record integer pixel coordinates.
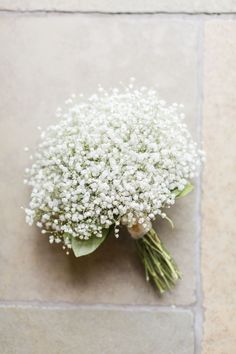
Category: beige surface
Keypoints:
(95, 331)
(219, 210)
(44, 60)
(178, 6)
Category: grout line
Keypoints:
(196, 308)
(39, 11)
(123, 307)
(199, 295)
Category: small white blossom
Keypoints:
(51, 239)
(115, 158)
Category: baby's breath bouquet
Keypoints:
(118, 158)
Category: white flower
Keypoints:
(113, 159)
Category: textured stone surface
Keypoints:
(44, 60)
(93, 331)
(218, 209)
(122, 5)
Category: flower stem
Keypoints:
(158, 263)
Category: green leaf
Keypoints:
(84, 247)
(187, 189)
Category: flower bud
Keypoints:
(139, 230)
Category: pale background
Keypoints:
(51, 303)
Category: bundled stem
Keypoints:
(158, 263)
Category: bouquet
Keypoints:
(118, 158)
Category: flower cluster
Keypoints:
(115, 158)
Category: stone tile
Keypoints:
(122, 5)
(218, 233)
(92, 331)
(46, 58)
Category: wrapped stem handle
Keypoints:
(159, 265)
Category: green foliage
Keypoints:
(84, 247)
(187, 189)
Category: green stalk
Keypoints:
(159, 266)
